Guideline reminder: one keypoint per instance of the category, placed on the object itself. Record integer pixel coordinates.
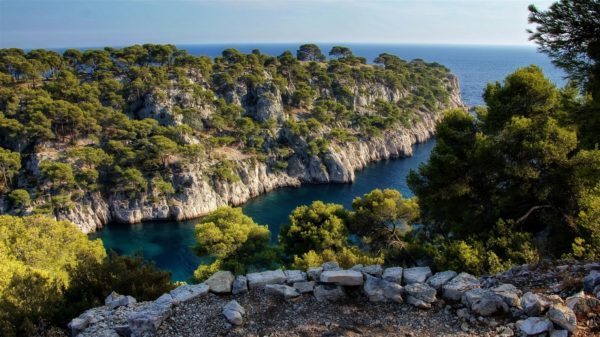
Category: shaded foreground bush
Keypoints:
(50, 272)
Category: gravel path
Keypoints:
(305, 317)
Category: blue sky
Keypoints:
(83, 23)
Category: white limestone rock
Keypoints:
(314, 273)
(438, 280)
(393, 274)
(114, 300)
(305, 286)
(380, 290)
(343, 277)
(509, 293)
(261, 279)
(220, 282)
(420, 295)
(282, 290)
(534, 325)
(240, 285)
(563, 316)
(416, 275)
(484, 302)
(188, 292)
(455, 288)
(234, 312)
(293, 276)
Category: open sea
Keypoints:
(168, 243)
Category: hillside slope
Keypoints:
(150, 132)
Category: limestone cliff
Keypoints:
(198, 194)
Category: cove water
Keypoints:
(168, 244)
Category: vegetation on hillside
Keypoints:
(125, 120)
(518, 181)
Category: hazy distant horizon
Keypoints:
(297, 44)
(64, 23)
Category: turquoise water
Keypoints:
(168, 243)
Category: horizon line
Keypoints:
(188, 44)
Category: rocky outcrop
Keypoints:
(199, 192)
(489, 302)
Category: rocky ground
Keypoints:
(536, 300)
(303, 316)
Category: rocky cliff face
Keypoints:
(199, 193)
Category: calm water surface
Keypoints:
(168, 243)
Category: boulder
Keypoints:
(373, 270)
(114, 300)
(438, 280)
(455, 288)
(379, 290)
(281, 290)
(314, 273)
(416, 274)
(188, 292)
(329, 292)
(78, 324)
(331, 265)
(293, 276)
(256, 280)
(597, 291)
(393, 274)
(146, 320)
(581, 303)
(343, 277)
(220, 282)
(532, 304)
(234, 312)
(483, 302)
(509, 293)
(305, 286)
(165, 300)
(240, 285)
(563, 316)
(591, 281)
(534, 325)
(420, 295)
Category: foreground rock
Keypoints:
(240, 285)
(532, 304)
(591, 281)
(256, 280)
(220, 282)
(329, 292)
(380, 290)
(342, 277)
(484, 302)
(234, 312)
(188, 292)
(552, 310)
(393, 274)
(416, 274)
(115, 300)
(420, 295)
(534, 325)
(282, 291)
(440, 279)
(563, 316)
(509, 293)
(455, 288)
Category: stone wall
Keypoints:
(526, 300)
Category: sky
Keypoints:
(95, 23)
